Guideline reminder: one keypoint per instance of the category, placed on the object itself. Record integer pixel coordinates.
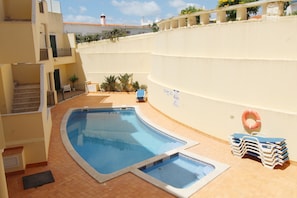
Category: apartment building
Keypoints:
(92, 28)
(80, 28)
(35, 61)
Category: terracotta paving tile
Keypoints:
(244, 178)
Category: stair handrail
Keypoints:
(42, 88)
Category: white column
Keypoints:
(221, 17)
(204, 19)
(241, 14)
(3, 184)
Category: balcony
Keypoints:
(59, 55)
(17, 38)
(16, 10)
(62, 52)
(64, 56)
(43, 54)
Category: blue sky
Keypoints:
(129, 12)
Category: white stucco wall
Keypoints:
(130, 55)
(207, 76)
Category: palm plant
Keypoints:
(126, 84)
(135, 85)
(110, 83)
(114, 34)
(73, 79)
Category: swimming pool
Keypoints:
(108, 142)
(111, 140)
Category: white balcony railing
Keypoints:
(268, 8)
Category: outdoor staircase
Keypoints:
(26, 98)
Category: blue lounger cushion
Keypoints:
(259, 138)
(140, 94)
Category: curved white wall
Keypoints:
(206, 76)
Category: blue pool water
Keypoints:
(178, 170)
(113, 139)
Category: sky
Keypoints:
(127, 12)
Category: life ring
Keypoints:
(249, 114)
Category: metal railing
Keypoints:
(43, 54)
(61, 52)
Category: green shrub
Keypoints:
(125, 83)
(135, 85)
(110, 83)
(143, 87)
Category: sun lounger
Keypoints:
(271, 151)
(141, 95)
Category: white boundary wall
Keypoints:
(130, 55)
(207, 76)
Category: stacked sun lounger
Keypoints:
(271, 151)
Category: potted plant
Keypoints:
(73, 79)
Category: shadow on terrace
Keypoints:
(67, 95)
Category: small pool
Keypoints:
(178, 170)
(182, 173)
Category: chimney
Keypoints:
(102, 19)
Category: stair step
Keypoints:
(26, 98)
(27, 95)
(26, 104)
(24, 109)
(31, 90)
(25, 86)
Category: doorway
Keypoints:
(54, 45)
(57, 79)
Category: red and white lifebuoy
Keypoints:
(250, 114)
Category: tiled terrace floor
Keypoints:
(67, 95)
(244, 178)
